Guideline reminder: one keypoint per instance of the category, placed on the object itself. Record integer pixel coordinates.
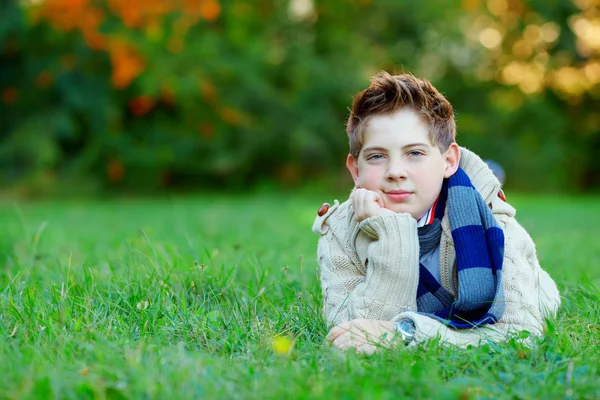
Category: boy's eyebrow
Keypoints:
(374, 148)
(377, 148)
(415, 145)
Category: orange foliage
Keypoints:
(141, 105)
(231, 116)
(95, 40)
(191, 7)
(67, 15)
(126, 62)
(140, 13)
(85, 16)
(165, 178)
(207, 130)
(63, 14)
(181, 26)
(289, 174)
(210, 9)
(471, 5)
(137, 13)
(128, 11)
(10, 47)
(10, 95)
(207, 9)
(68, 61)
(208, 90)
(175, 45)
(115, 170)
(167, 96)
(44, 80)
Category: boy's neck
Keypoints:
(429, 216)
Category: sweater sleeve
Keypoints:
(385, 286)
(530, 295)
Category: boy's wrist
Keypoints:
(387, 219)
(405, 328)
(386, 215)
(380, 212)
(383, 212)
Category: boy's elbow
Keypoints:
(549, 296)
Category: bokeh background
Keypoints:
(168, 95)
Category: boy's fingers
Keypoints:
(340, 341)
(347, 344)
(373, 197)
(349, 341)
(379, 199)
(333, 334)
(336, 331)
(358, 202)
(370, 196)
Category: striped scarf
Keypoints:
(479, 244)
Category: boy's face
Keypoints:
(399, 162)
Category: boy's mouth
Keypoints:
(398, 195)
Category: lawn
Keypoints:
(218, 297)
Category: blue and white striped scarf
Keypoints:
(479, 244)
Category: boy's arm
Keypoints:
(383, 288)
(530, 295)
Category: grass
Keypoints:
(218, 297)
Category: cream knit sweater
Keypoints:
(371, 269)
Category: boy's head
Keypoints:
(402, 142)
(389, 93)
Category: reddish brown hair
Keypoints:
(389, 93)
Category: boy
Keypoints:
(426, 246)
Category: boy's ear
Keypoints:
(352, 165)
(452, 159)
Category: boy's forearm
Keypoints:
(393, 263)
(390, 284)
(429, 328)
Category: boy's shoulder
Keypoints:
(500, 206)
(328, 214)
(481, 176)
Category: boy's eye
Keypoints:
(375, 157)
(415, 153)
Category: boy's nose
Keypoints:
(396, 171)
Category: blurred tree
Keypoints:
(161, 93)
(546, 56)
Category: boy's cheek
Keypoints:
(369, 181)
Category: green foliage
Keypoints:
(92, 98)
(181, 298)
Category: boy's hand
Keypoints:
(363, 335)
(367, 203)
